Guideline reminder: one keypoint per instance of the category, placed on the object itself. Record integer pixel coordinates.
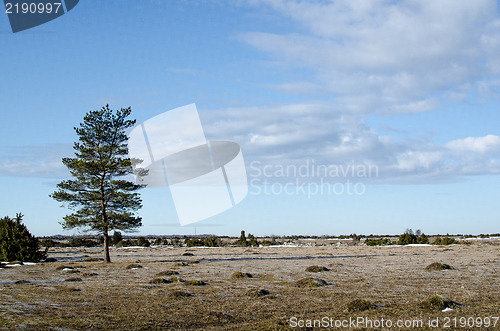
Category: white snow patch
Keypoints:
(127, 247)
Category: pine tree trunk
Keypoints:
(106, 246)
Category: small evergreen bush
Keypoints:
(117, 237)
(407, 239)
(141, 241)
(444, 241)
(17, 243)
(378, 242)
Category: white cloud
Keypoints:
(35, 161)
(385, 55)
(488, 144)
(372, 57)
(292, 134)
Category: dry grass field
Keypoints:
(265, 288)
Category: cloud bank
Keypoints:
(381, 58)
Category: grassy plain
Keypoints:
(169, 290)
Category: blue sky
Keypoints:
(410, 87)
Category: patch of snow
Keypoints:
(446, 309)
(131, 247)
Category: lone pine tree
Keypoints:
(100, 200)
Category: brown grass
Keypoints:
(117, 299)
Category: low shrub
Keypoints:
(407, 239)
(134, 266)
(159, 281)
(437, 266)
(49, 243)
(438, 302)
(116, 238)
(423, 239)
(73, 279)
(311, 282)
(212, 242)
(167, 273)
(359, 305)
(269, 242)
(444, 241)
(240, 275)
(17, 243)
(141, 241)
(176, 280)
(258, 292)
(315, 268)
(378, 242)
